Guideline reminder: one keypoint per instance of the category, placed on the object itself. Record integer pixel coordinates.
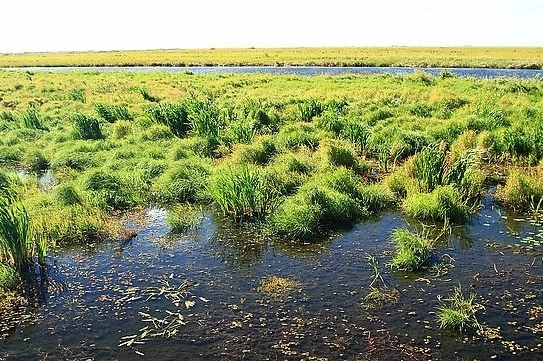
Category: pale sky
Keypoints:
(77, 25)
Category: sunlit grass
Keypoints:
(487, 57)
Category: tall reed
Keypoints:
(17, 245)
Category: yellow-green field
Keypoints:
(479, 57)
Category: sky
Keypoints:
(78, 25)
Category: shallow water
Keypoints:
(92, 304)
(303, 70)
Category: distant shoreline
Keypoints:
(419, 57)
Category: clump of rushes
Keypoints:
(183, 217)
(72, 224)
(66, 195)
(327, 200)
(183, 182)
(429, 167)
(338, 153)
(172, 115)
(31, 119)
(18, 246)
(86, 126)
(240, 192)
(204, 118)
(412, 251)
(523, 189)
(122, 129)
(444, 203)
(259, 152)
(35, 161)
(112, 112)
(458, 312)
(309, 109)
(148, 96)
(295, 135)
(8, 278)
(108, 190)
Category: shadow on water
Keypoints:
(101, 296)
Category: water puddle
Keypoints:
(199, 295)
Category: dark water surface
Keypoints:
(304, 70)
(97, 293)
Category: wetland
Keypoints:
(260, 216)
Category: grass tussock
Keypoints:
(458, 312)
(413, 251)
(523, 190)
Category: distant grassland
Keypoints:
(448, 57)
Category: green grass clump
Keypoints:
(66, 195)
(172, 115)
(122, 129)
(444, 203)
(523, 190)
(338, 153)
(72, 224)
(77, 94)
(458, 312)
(9, 278)
(35, 161)
(296, 217)
(86, 126)
(412, 251)
(240, 192)
(204, 118)
(18, 244)
(295, 135)
(108, 190)
(112, 112)
(259, 152)
(429, 168)
(183, 182)
(32, 119)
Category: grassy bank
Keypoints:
(479, 57)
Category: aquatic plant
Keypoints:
(86, 126)
(276, 286)
(72, 224)
(18, 245)
(8, 278)
(522, 188)
(444, 203)
(412, 251)
(457, 311)
(240, 192)
(296, 217)
(429, 167)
